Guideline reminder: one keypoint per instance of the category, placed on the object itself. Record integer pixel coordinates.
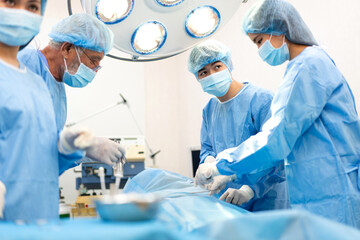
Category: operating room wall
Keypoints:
(174, 99)
(115, 77)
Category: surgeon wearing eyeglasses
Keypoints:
(78, 44)
(72, 57)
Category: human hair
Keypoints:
(55, 45)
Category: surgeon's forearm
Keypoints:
(254, 158)
(69, 161)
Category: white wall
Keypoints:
(167, 100)
(174, 100)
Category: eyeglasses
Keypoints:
(95, 69)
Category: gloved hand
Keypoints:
(98, 149)
(205, 173)
(219, 182)
(238, 196)
(2, 198)
(209, 159)
(74, 138)
(106, 151)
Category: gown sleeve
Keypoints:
(297, 104)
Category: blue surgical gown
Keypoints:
(29, 159)
(314, 126)
(228, 124)
(37, 63)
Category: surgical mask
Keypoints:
(274, 56)
(217, 84)
(18, 27)
(83, 76)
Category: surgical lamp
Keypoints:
(149, 30)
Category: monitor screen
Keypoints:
(195, 157)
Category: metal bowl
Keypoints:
(127, 207)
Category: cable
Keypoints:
(152, 154)
(97, 113)
(69, 7)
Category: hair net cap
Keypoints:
(278, 17)
(43, 5)
(208, 52)
(83, 30)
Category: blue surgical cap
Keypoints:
(278, 17)
(208, 52)
(83, 30)
(43, 5)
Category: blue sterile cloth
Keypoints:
(214, 219)
(183, 206)
(93, 229)
(279, 224)
(198, 216)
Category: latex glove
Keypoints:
(219, 182)
(209, 159)
(2, 198)
(238, 196)
(106, 151)
(205, 173)
(75, 138)
(99, 149)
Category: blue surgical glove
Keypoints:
(238, 196)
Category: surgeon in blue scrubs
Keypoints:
(236, 112)
(78, 44)
(32, 152)
(28, 134)
(77, 40)
(314, 125)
